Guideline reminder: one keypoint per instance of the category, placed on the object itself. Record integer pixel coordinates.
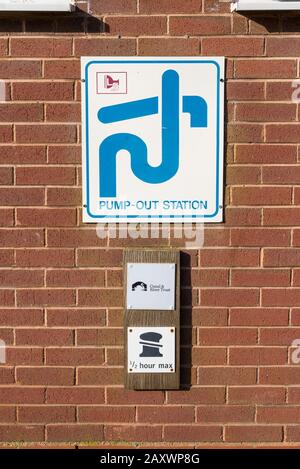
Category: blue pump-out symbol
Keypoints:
(196, 106)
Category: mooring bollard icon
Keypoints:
(150, 343)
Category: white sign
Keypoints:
(150, 286)
(152, 139)
(151, 349)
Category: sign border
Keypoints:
(219, 134)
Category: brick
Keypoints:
(200, 395)
(46, 297)
(209, 277)
(6, 134)
(76, 317)
(74, 432)
(22, 196)
(229, 297)
(293, 395)
(281, 216)
(281, 257)
(64, 154)
(3, 47)
(6, 257)
(7, 414)
(245, 90)
(21, 317)
(285, 414)
(282, 375)
(278, 336)
(41, 47)
(199, 25)
(77, 237)
(192, 433)
(227, 336)
(22, 154)
(113, 6)
(72, 356)
(21, 278)
(104, 46)
(170, 6)
(281, 297)
(74, 278)
(45, 375)
(258, 356)
(225, 257)
(105, 414)
(292, 433)
(46, 217)
(266, 68)
(279, 91)
(261, 195)
(260, 237)
(266, 154)
(61, 112)
(237, 216)
(205, 356)
(6, 176)
(225, 414)
(15, 112)
(20, 69)
(29, 175)
(229, 46)
(133, 433)
(21, 395)
(46, 133)
(295, 316)
(257, 394)
(58, 69)
(260, 278)
(24, 356)
(209, 317)
(45, 258)
(245, 133)
(106, 336)
(67, 196)
(75, 395)
(227, 375)
(258, 317)
(6, 217)
(99, 257)
(7, 298)
(168, 46)
(265, 112)
(44, 337)
(45, 414)
(100, 376)
(121, 396)
(163, 414)
(282, 133)
(100, 297)
(7, 375)
(281, 47)
(23, 433)
(137, 25)
(253, 433)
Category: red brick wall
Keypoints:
(61, 292)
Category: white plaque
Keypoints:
(151, 286)
(151, 349)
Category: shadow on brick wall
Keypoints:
(186, 311)
(78, 21)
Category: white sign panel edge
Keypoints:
(217, 215)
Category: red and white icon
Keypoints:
(112, 83)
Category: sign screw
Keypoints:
(172, 330)
(130, 330)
